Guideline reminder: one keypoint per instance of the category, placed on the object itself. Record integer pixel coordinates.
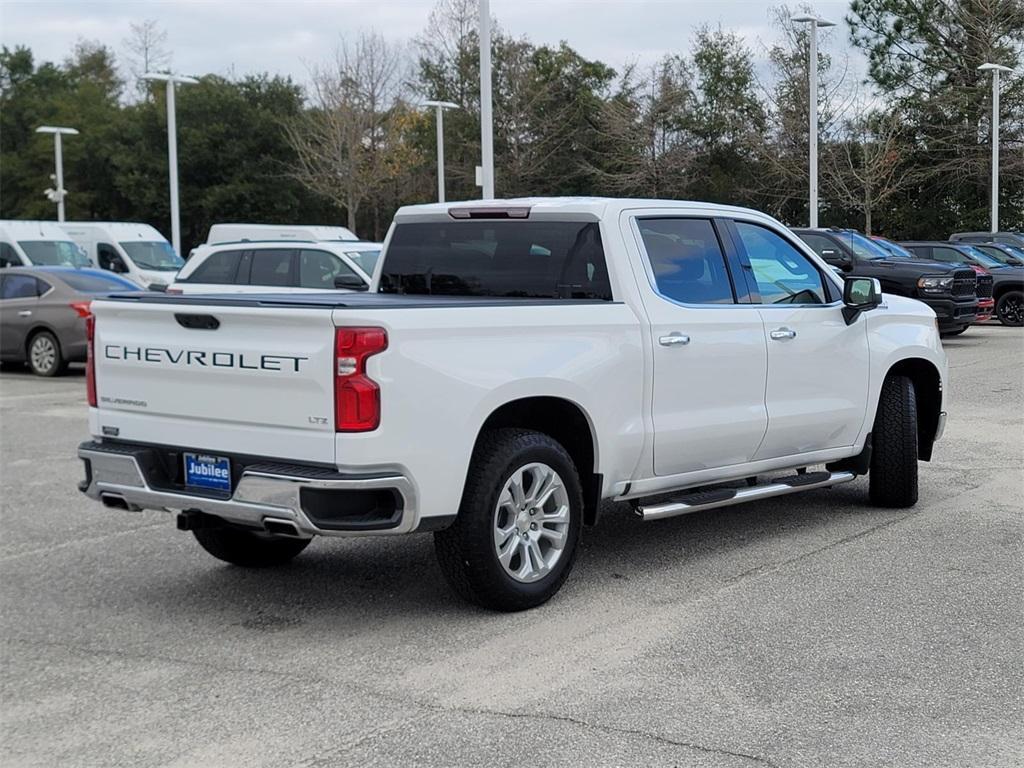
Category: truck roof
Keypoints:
(593, 206)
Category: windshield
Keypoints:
(365, 260)
(157, 254)
(981, 257)
(863, 247)
(895, 249)
(54, 253)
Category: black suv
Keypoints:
(949, 290)
(1008, 281)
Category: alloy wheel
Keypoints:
(531, 522)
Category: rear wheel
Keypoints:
(44, 356)
(249, 549)
(514, 540)
(1010, 309)
(892, 481)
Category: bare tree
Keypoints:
(787, 99)
(146, 51)
(646, 131)
(868, 165)
(350, 143)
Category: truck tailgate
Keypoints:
(254, 380)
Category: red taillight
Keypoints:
(356, 395)
(90, 360)
(81, 308)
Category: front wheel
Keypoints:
(1010, 309)
(892, 480)
(514, 540)
(249, 549)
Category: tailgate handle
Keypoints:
(197, 322)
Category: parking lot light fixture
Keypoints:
(440, 107)
(995, 69)
(172, 81)
(57, 195)
(816, 22)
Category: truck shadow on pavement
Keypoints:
(374, 579)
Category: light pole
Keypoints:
(812, 108)
(440, 107)
(486, 118)
(172, 147)
(995, 69)
(58, 160)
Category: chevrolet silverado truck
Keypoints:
(516, 363)
(950, 290)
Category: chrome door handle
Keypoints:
(25, 313)
(674, 340)
(782, 333)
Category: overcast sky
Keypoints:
(238, 38)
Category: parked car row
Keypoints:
(962, 281)
(56, 270)
(967, 280)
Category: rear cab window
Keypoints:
(497, 258)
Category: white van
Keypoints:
(39, 243)
(137, 251)
(242, 233)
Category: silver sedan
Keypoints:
(43, 312)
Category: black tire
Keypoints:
(466, 550)
(892, 481)
(248, 549)
(44, 356)
(1010, 309)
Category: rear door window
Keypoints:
(317, 269)
(218, 269)
(273, 267)
(497, 258)
(687, 260)
(21, 287)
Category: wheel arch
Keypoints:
(928, 390)
(562, 420)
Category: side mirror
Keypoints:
(860, 294)
(350, 282)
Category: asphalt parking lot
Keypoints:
(808, 631)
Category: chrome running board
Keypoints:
(726, 497)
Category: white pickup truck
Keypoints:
(515, 363)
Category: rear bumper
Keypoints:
(308, 500)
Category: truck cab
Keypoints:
(137, 252)
(949, 289)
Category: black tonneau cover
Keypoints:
(336, 300)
